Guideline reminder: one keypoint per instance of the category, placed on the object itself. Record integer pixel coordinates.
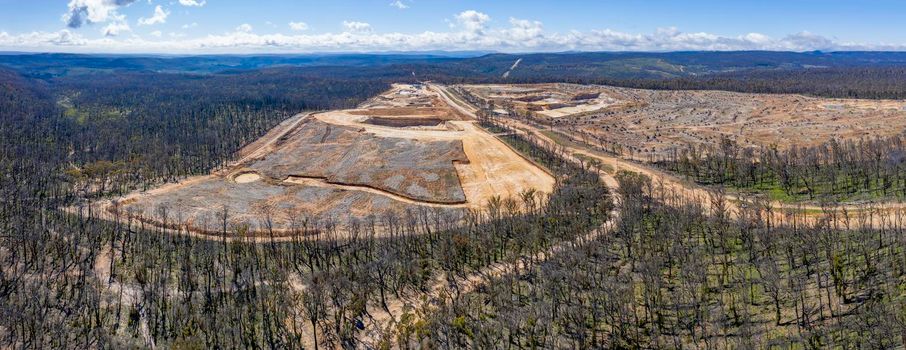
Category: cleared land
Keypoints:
(403, 151)
(651, 122)
(549, 100)
(421, 170)
(874, 215)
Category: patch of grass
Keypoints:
(560, 139)
(842, 189)
(841, 192)
(81, 115)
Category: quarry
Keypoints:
(408, 151)
(402, 152)
(656, 122)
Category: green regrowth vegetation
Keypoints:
(837, 171)
(114, 284)
(671, 277)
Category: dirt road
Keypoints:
(874, 215)
(319, 182)
(265, 144)
(494, 169)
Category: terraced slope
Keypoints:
(420, 170)
(403, 152)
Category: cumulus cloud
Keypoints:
(190, 25)
(160, 16)
(806, 39)
(116, 26)
(356, 27)
(298, 26)
(399, 4)
(41, 39)
(157, 34)
(756, 38)
(523, 29)
(471, 30)
(472, 21)
(195, 3)
(92, 11)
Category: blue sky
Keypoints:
(180, 26)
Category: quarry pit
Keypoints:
(404, 151)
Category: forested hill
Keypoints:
(832, 74)
(143, 127)
(638, 65)
(76, 128)
(57, 64)
(531, 66)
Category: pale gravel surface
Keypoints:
(332, 165)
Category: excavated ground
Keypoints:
(402, 151)
(656, 122)
(340, 154)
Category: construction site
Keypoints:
(400, 152)
(655, 122)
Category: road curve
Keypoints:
(879, 214)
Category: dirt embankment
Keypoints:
(874, 215)
(655, 122)
(402, 122)
(346, 164)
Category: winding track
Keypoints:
(265, 144)
(320, 182)
(871, 215)
(443, 285)
(494, 169)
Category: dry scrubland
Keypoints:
(640, 126)
(650, 122)
(404, 150)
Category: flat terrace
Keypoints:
(652, 122)
(339, 154)
(403, 152)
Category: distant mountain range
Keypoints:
(587, 65)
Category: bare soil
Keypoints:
(651, 122)
(405, 150)
(402, 122)
(245, 178)
(871, 215)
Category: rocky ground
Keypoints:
(653, 122)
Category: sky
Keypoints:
(303, 26)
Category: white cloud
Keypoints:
(298, 26)
(806, 39)
(471, 30)
(157, 34)
(116, 26)
(472, 21)
(756, 38)
(356, 27)
(195, 3)
(523, 29)
(160, 16)
(42, 39)
(399, 4)
(188, 26)
(92, 11)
